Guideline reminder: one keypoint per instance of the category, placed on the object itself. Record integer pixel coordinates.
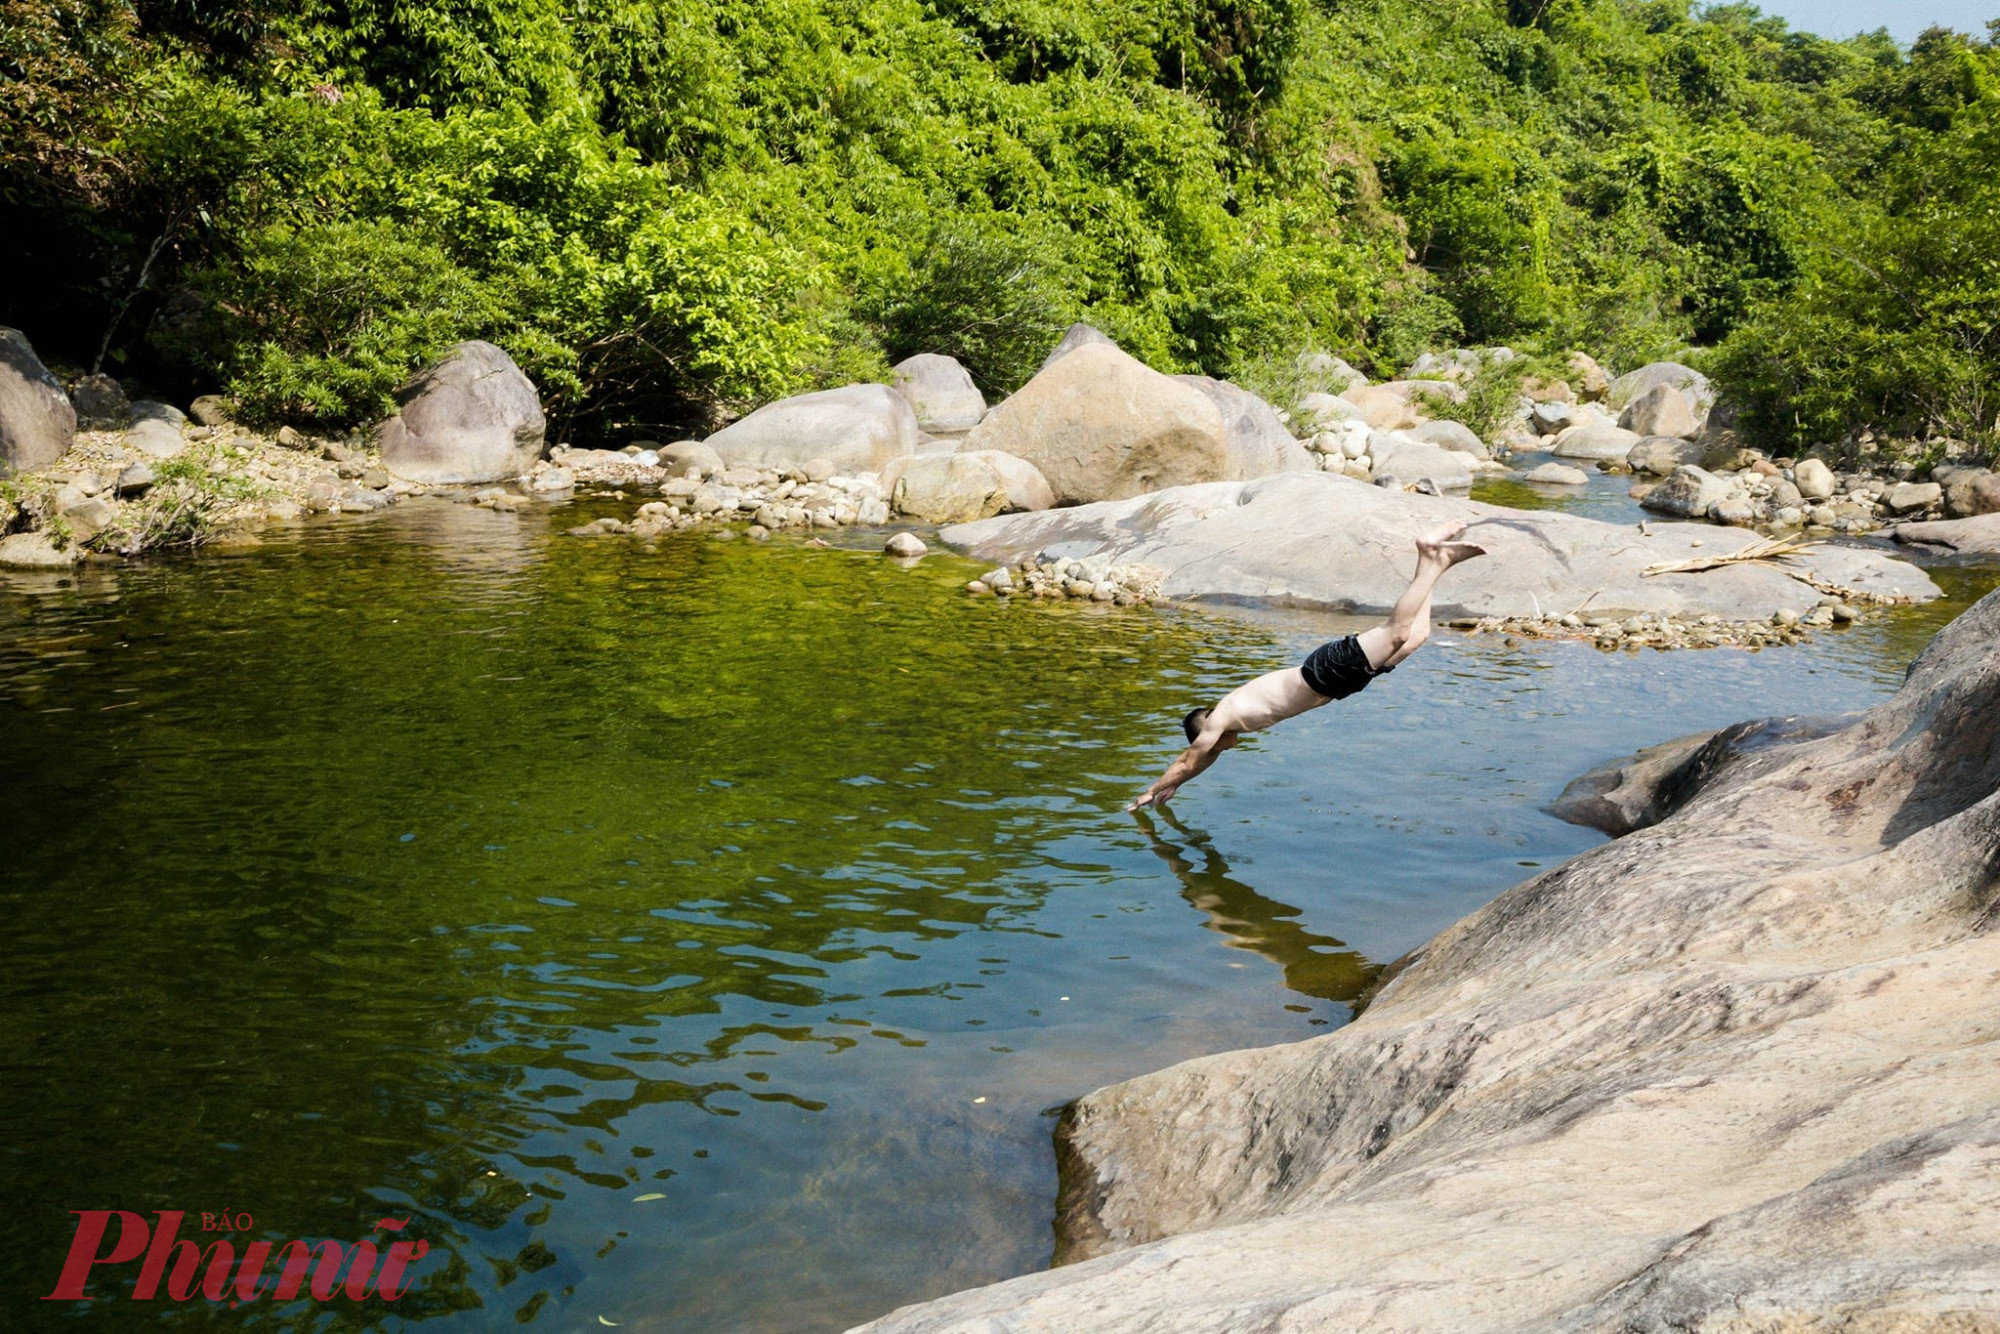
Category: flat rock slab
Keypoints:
(1738, 1071)
(1324, 541)
(1975, 536)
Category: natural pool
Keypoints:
(696, 937)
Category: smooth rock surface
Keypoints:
(1660, 410)
(1101, 425)
(34, 551)
(858, 428)
(1454, 436)
(1659, 455)
(1629, 387)
(1324, 373)
(1330, 409)
(941, 393)
(37, 423)
(1382, 407)
(1259, 444)
(961, 487)
(1557, 474)
(1404, 456)
(472, 417)
(1738, 1071)
(1688, 493)
(1321, 540)
(1972, 536)
(1814, 479)
(156, 437)
(1593, 439)
(1074, 337)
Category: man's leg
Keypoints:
(1409, 623)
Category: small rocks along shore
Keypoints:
(1662, 631)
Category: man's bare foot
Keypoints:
(1440, 546)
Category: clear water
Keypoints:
(1606, 496)
(437, 865)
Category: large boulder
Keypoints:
(858, 428)
(1688, 493)
(1972, 492)
(1661, 454)
(1975, 536)
(1814, 479)
(1328, 542)
(1592, 383)
(1074, 337)
(37, 423)
(1410, 460)
(1594, 438)
(958, 488)
(101, 403)
(1627, 388)
(472, 417)
(1661, 410)
(941, 393)
(1452, 435)
(1259, 444)
(1324, 373)
(34, 551)
(1102, 426)
(1323, 410)
(1382, 407)
(1736, 1071)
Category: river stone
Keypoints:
(1324, 373)
(1688, 493)
(1327, 542)
(1904, 497)
(1594, 439)
(1735, 508)
(1382, 407)
(34, 551)
(210, 410)
(1972, 492)
(1737, 1071)
(1659, 455)
(1259, 444)
(856, 428)
(1100, 425)
(1551, 418)
(1074, 337)
(472, 417)
(156, 437)
(1329, 409)
(135, 480)
(941, 393)
(1592, 382)
(1660, 410)
(684, 454)
(37, 422)
(1558, 474)
(1814, 479)
(100, 403)
(1627, 388)
(1452, 435)
(908, 546)
(1394, 453)
(1978, 535)
(957, 488)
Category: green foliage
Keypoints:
(667, 209)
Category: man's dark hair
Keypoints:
(1192, 723)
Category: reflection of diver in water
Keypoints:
(1317, 966)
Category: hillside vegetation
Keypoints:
(667, 209)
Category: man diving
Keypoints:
(1332, 671)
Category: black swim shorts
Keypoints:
(1339, 668)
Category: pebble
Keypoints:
(906, 545)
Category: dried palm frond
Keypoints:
(1771, 551)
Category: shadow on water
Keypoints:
(691, 935)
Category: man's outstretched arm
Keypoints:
(1190, 762)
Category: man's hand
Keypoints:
(1157, 795)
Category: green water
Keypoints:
(435, 865)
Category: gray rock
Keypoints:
(149, 410)
(1592, 383)
(1735, 508)
(1258, 442)
(1975, 536)
(1551, 418)
(1453, 436)
(1732, 1072)
(1557, 474)
(156, 438)
(473, 417)
(1074, 337)
(1814, 479)
(1411, 459)
(941, 393)
(34, 551)
(100, 403)
(37, 423)
(210, 410)
(906, 545)
(1326, 409)
(685, 454)
(1382, 407)
(1904, 497)
(1327, 542)
(1627, 388)
(1688, 493)
(135, 480)
(859, 428)
(958, 488)
(1660, 410)
(1659, 455)
(88, 518)
(1594, 439)
(1971, 492)
(1100, 425)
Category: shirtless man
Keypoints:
(1332, 671)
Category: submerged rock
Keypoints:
(1735, 1071)
(1325, 541)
